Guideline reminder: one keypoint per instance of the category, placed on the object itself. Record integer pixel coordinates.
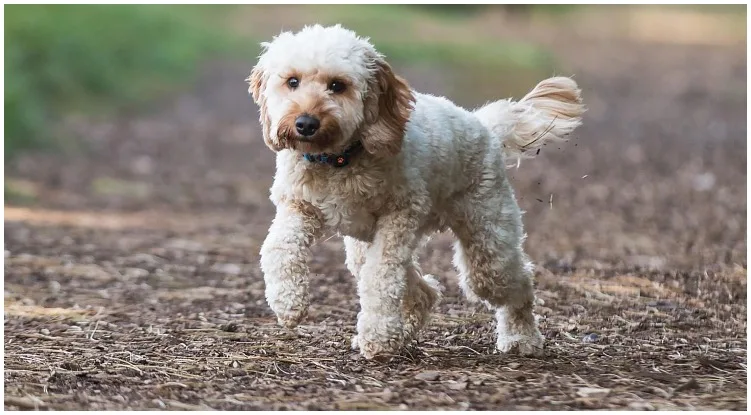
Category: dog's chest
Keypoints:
(348, 200)
(349, 213)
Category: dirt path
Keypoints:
(133, 283)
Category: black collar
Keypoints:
(337, 160)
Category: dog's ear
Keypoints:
(388, 105)
(257, 83)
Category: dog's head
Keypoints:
(323, 88)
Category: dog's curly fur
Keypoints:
(428, 166)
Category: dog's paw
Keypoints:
(379, 337)
(379, 350)
(290, 307)
(291, 318)
(525, 345)
(289, 310)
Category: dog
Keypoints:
(360, 153)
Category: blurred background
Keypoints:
(136, 178)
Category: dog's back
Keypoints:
(445, 140)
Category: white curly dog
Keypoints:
(360, 153)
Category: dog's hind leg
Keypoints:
(423, 294)
(423, 291)
(493, 267)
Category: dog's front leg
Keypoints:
(383, 282)
(284, 257)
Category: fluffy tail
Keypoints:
(550, 112)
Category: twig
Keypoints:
(91, 336)
(538, 137)
(320, 365)
(469, 348)
(342, 382)
(127, 364)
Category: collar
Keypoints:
(337, 160)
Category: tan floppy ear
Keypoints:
(256, 82)
(388, 105)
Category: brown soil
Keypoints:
(133, 282)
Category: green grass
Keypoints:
(97, 59)
(63, 59)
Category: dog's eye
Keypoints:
(293, 82)
(337, 87)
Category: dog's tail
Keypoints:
(550, 112)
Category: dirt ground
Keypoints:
(133, 281)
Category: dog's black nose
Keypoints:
(307, 125)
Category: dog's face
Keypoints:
(323, 88)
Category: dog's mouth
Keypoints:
(321, 138)
(313, 144)
(329, 135)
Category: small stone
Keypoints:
(54, 287)
(45, 332)
(458, 386)
(641, 406)
(514, 365)
(230, 327)
(428, 376)
(592, 392)
(591, 338)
